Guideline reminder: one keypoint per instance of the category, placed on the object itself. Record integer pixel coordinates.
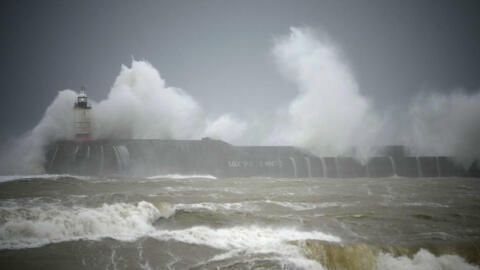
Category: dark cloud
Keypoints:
(220, 51)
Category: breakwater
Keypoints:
(218, 158)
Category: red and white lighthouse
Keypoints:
(82, 124)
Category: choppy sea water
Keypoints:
(200, 222)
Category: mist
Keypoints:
(328, 115)
(445, 124)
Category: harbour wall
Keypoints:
(218, 158)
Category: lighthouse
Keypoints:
(82, 117)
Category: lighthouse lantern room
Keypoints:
(82, 117)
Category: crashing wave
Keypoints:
(37, 226)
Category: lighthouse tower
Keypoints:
(82, 117)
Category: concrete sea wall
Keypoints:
(206, 156)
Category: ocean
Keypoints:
(201, 222)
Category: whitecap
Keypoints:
(8, 178)
(277, 242)
(215, 207)
(423, 260)
(37, 226)
(181, 176)
(426, 204)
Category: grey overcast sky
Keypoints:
(220, 51)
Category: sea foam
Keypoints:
(37, 226)
(8, 178)
(423, 260)
(275, 243)
(181, 176)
